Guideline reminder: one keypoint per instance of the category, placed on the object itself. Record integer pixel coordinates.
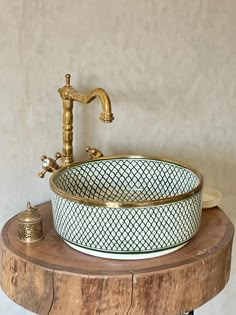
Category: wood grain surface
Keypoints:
(49, 277)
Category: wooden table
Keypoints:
(48, 277)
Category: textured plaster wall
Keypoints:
(169, 68)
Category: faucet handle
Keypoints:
(94, 153)
(49, 164)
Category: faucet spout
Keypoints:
(69, 95)
(106, 115)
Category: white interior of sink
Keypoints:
(126, 179)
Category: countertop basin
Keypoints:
(127, 207)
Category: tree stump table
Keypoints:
(48, 277)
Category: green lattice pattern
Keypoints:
(131, 230)
(126, 180)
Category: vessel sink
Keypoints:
(126, 207)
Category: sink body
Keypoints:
(126, 207)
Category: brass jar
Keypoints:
(30, 227)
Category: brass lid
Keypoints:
(30, 215)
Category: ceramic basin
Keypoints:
(127, 207)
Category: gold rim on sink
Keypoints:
(126, 204)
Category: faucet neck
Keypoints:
(67, 151)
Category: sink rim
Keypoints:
(126, 204)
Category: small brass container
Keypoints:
(30, 227)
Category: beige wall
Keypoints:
(168, 66)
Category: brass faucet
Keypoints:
(69, 95)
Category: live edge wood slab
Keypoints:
(48, 277)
